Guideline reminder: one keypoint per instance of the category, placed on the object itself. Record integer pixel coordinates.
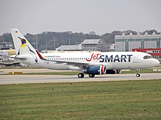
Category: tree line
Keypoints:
(52, 40)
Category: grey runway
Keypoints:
(21, 79)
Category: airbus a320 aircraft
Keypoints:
(92, 63)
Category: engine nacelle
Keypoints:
(96, 70)
(116, 71)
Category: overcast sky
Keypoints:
(101, 16)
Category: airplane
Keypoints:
(91, 63)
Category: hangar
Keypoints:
(128, 42)
(86, 45)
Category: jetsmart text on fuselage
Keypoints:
(110, 58)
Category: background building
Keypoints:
(69, 48)
(128, 42)
(86, 45)
(112, 47)
(4, 59)
(91, 45)
(6, 45)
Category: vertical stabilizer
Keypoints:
(19, 39)
(23, 47)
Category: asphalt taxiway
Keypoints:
(21, 79)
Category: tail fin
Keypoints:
(23, 46)
(17, 39)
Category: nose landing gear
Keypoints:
(137, 73)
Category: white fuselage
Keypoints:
(112, 60)
(92, 63)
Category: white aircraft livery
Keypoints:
(91, 63)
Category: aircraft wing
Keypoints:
(84, 64)
(73, 63)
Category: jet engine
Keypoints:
(96, 70)
(115, 71)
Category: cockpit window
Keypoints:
(147, 57)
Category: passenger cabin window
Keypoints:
(147, 57)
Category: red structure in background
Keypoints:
(155, 52)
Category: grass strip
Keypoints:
(87, 100)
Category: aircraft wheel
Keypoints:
(137, 75)
(91, 75)
(81, 75)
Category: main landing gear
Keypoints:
(91, 75)
(137, 73)
(81, 75)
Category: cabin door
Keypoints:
(135, 59)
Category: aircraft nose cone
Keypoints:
(156, 63)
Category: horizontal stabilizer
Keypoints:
(19, 58)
